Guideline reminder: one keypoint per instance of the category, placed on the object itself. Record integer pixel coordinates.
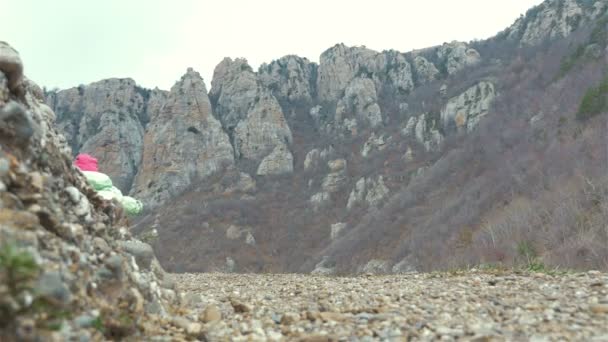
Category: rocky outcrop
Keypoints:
(360, 102)
(280, 161)
(375, 266)
(183, 143)
(336, 229)
(250, 114)
(291, 79)
(374, 143)
(368, 191)
(105, 119)
(320, 200)
(67, 258)
(337, 176)
(464, 111)
(340, 64)
(424, 129)
(425, 70)
(554, 19)
(455, 56)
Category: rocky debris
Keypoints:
(553, 19)
(336, 229)
(184, 142)
(424, 128)
(464, 111)
(471, 306)
(63, 274)
(368, 191)
(280, 161)
(290, 78)
(374, 142)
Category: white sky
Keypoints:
(64, 43)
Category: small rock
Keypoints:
(289, 318)
(37, 181)
(211, 314)
(142, 252)
(332, 316)
(51, 286)
(84, 321)
(15, 123)
(599, 308)
(101, 245)
(239, 306)
(115, 264)
(73, 193)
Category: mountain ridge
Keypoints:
(335, 142)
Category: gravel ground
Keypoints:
(471, 306)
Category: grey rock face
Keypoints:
(464, 111)
(336, 229)
(456, 56)
(425, 70)
(361, 101)
(368, 191)
(553, 19)
(250, 114)
(424, 128)
(290, 79)
(183, 143)
(337, 176)
(278, 162)
(373, 143)
(320, 200)
(341, 64)
(105, 119)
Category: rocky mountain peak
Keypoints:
(554, 19)
(291, 79)
(184, 143)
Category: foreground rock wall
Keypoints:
(69, 268)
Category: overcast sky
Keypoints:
(64, 43)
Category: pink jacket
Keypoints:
(86, 162)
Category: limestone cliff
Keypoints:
(183, 143)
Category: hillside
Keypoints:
(461, 154)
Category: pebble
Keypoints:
(211, 314)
